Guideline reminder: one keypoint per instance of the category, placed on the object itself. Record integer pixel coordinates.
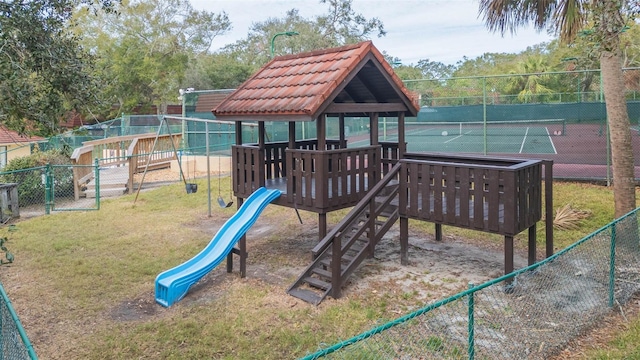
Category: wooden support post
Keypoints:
(292, 134)
(548, 205)
(532, 244)
(372, 228)
(402, 143)
(261, 134)
(336, 269)
(343, 141)
(322, 226)
(242, 246)
(321, 130)
(404, 240)
(438, 232)
(508, 254)
(373, 128)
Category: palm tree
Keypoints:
(567, 18)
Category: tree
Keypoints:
(44, 72)
(341, 25)
(567, 18)
(529, 84)
(144, 49)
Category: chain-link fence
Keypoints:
(13, 339)
(554, 115)
(559, 116)
(532, 313)
(41, 190)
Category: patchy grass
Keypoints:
(83, 282)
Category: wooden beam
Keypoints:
(351, 108)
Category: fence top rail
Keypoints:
(115, 139)
(227, 122)
(18, 324)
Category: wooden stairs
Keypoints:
(113, 182)
(354, 239)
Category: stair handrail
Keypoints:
(355, 211)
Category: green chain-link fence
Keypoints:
(559, 116)
(13, 339)
(41, 190)
(532, 313)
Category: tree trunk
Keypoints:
(619, 133)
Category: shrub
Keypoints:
(28, 172)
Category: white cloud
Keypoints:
(437, 30)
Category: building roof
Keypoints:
(352, 80)
(207, 101)
(10, 137)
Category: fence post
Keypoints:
(48, 189)
(612, 264)
(471, 347)
(96, 168)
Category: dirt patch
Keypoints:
(135, 309)
(436, 269)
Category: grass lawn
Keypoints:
(83, 282)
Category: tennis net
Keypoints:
(547, 127)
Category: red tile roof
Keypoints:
(303, 86)
(207, 101)
(10, 137)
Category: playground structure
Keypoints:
(382, 181)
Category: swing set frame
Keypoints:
(163, 121)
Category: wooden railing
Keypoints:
(253, 167)
(143, 153)
(329, 180)
(501, 196)
(133, 150)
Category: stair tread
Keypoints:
(315, 282)
(322, 272)
(306, 295)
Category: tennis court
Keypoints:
(509, 137)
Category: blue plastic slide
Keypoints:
(173, 284)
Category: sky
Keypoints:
(437, 30)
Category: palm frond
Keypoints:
(568, 218)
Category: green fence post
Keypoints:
(484, 113)
(471, 347)
(612, 264)
(48, 189)
(2, 333)
(96, 167)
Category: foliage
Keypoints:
(44, 73)
(29, 172)
(341, 25)
(144, 48)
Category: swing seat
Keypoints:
(191, 188)
(224, 204)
